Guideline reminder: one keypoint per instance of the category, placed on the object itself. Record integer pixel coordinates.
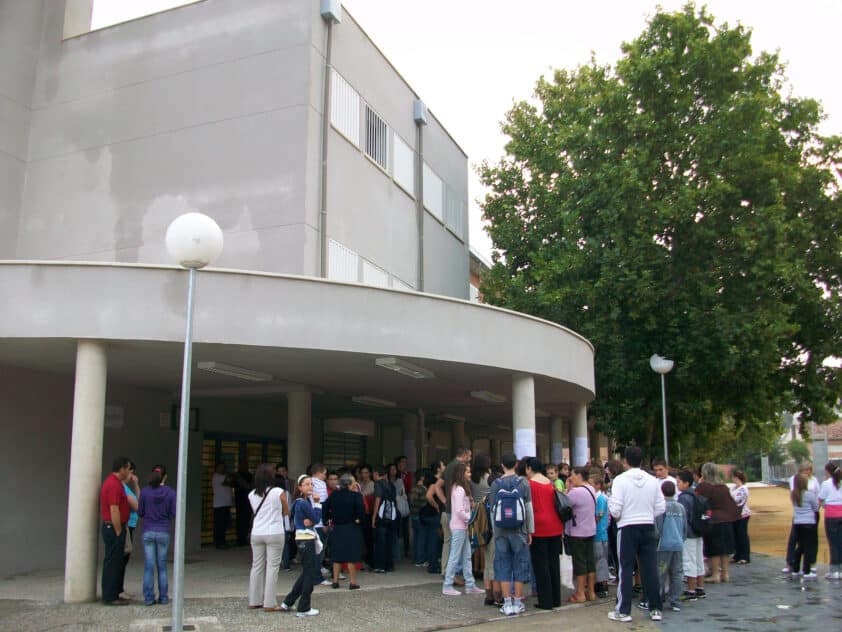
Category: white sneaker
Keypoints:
(810, 575)
(616, 616)
(655, 615)
(326, 582)
(518, 607)
(837, 575)
(312, 612)
(786, 569)
(342, 576)
(285, 607)
(507, 609)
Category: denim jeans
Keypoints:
(431, 542)
(460, 555)
(156, 545)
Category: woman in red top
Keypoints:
(546, 540)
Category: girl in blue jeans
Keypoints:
(460, 545)
(157, 509)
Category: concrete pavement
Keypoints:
(758, 598)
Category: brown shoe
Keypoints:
(118, 602)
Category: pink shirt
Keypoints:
(460, 506)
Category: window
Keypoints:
(376, 138)
(374, 275)
(403, 165)
(454, 213)
(343, 263)
(344, 108)
(433, 193)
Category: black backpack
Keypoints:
(563, 507)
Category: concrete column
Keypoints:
(421, 434)
(457, 431)
(556, 440)
(299, 430)
(523, 414)
(581, 453)
(83, 519)
(409, 428)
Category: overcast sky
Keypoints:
(469, 60)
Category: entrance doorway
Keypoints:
(232, 450)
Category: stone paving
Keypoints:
(759, 597)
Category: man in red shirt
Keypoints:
(114, 512)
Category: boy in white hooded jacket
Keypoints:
(636, 500)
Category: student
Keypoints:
(552, 474)
(318, 475)
(563, 473)
(385, 526)
(830, 497)
(742, 544)
(546, 539)
(806, 470)
(636, 500)
(460, 546)
(672, 525)
(157, 509)
(601, 550)
(267, 504)
(579, 534)
(805, 506)
(306, 514)
(691, 554)
(511, 544)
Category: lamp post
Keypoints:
(193, 241)
(663, 366)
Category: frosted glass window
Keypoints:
(344, 108)
(106, 13)
(433, 192)
(374, 275)
(343, 263)
(454, 215)
(403, 167)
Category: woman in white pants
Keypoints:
(269, 506)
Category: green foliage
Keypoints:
(677, 204)
(798, 450)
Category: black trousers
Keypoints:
(384, 541)
(405, 535)
(221, 518)
(112, 565)
(806, 546)
(741, 541)
(303, 587)
(126, 557)
(638, 541)
(612, 542)
(545, 554)
(243, 523)
(790, 550)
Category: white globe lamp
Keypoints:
(662, 366)
(194, 240)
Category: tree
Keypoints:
(798, 450)
(678, 204)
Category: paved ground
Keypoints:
(758, 598)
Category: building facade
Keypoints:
(335, 326)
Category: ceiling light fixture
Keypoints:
(488, 396)
(404, 368)
(367, 400)
(235, 371)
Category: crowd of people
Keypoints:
(506, 524)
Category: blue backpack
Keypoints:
(509, 509)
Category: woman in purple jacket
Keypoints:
(157, 508)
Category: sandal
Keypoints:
(573, 599)
(354, 587)
(275, 609)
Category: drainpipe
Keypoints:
(419, 113)
(331, 11)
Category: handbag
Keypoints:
(128, 547)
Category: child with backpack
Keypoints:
(672, 525)
(692, 558)
(514, 523)
(460, 545)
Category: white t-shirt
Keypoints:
(320, 490)
(812, 484)
(829, 494)
(222, 496)
(270, 519)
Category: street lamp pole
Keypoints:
(193, 240)
(663, 366)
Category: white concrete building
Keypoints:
(342, 288)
